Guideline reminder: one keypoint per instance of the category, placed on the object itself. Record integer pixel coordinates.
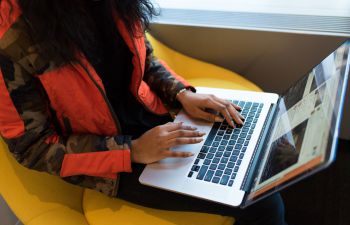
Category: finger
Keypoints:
(222, 106)
(183, 141)
(169, 153)
(235, 115)
(208, 116)
(185, 133)
(237, 107)
(176, 126)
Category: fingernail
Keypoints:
(201, 133)
(218, 119)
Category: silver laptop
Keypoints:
(283, 140)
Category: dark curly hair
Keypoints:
(59, 26)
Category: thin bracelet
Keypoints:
(182, 90)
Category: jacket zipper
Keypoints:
(114, 116)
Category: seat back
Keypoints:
(200, 73)
(32, 194)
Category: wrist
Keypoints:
(182, 94)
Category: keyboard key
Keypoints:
(244, 149)
(227, 154)
(248, 104)
(233, 176)
(213, 150)
(190, 174)
(216, 160)
(257, 115)
(229, 148)
(228, 171)
(209, 175)
(201, 156)
(210, 155)
(255, 104)
(221, 148)
(221, 133)
(224, 142)
(213, 166)
(218, 138)
(249, 137)
(226, 137)
(243, 135)
(238, 162)
(231, 142)
(195, 168)
(253, 126)
(251, 131)
(196, 161)
(233, 158)
(246, 143)
(238, 146)
(221, 166)
(218, 154)
(216, 180)
(215, 144)
(240, 156)
(249, 119)
(230, 183)
(223, 127)
(219, 173)
(229, 131)
(204, 149)
(255, 120)
(259, 110)
(202, 172)
(230, 165)
(235, 153)
(245, 130)
(261, 105)
(240, 141)
(236, 169)
(236, 131)
(224, 179)
(207, 162)
(234, 137)
(224, 160)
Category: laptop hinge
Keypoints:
(259, 148)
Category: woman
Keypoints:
(83, 98)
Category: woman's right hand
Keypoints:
(155, 144)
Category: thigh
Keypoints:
(268, 211)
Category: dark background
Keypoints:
(324, 198)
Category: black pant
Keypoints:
(269, 211)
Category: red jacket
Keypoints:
(58, 119)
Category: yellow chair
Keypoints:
(41, 199)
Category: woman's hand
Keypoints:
(154, 145)
(196, 104)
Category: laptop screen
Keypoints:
(305, 130)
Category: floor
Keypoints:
(324, 198)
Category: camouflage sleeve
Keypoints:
(26, 126)
(162, 80)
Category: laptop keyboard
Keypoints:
(221, 155)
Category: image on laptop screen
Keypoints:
(302, 134)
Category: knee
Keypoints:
(269, 211)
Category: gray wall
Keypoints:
(270, 59)
(6, 215)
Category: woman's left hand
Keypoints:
(196, 104)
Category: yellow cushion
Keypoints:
(38, 197)
(100, 209)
